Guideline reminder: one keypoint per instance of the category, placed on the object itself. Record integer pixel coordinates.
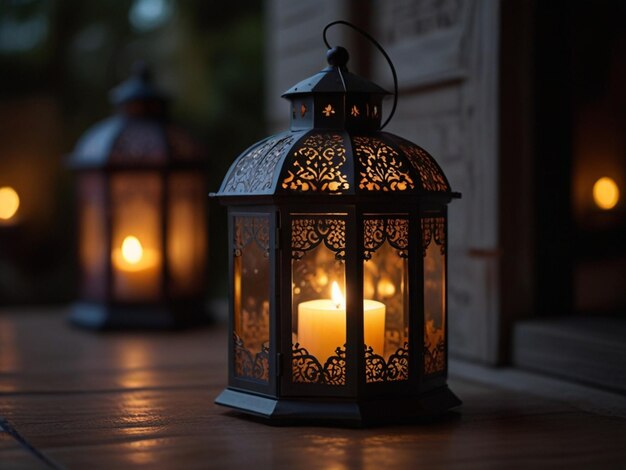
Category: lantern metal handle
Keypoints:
(382, 51)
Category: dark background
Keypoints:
(58, 61)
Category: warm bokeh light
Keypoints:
(605, 193)
(9, 202)
(337, 296)
(132, 251)
(386, 287)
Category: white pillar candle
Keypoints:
(322, 325)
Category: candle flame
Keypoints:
(606, 193)
(132, 251)
(336, 296)
(9, 202)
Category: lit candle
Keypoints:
(322, 324)
(9, 204)
(137, 269)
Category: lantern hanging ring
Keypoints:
(382, 51)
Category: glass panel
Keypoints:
(186, 234)
(385, 308)
(251, 286)
(318, 300)
(92, 235)
(136, 253)
(434, 294)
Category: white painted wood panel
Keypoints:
(446, 55)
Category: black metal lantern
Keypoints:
(338, 264)
(141, 212)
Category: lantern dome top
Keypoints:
(335, 146)
(139, 135)
(331, 162)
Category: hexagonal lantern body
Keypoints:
(338, 265)
(141, 216)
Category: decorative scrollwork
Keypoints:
(306, 234)
(251, 228)
(434, 356)
(253, 171)
(394, 369)
(306, 368)
(395, 231)
(433, 227)
(317, 165)
(380, 167)
(251, 365)
(431, 176)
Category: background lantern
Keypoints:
(141, 212)
(338, 263)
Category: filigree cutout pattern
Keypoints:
(306, 234)
(253, 172)
(248, 229)
(250, 365)
(431, 176)
(328, 110)
(380, 169)
(317, 165)
(394, 369)
(434, 356)
(140, 142)
(376, 231)
(433, 227)
(306, 368)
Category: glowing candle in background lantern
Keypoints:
(9, 204)
(322, 324)
(136, 266)
(132, 251)
(606, 193)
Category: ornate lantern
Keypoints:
(141, 213)
(338, 264)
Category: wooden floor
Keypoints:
(81, 400)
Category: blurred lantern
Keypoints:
(338, 263)
(141, 212)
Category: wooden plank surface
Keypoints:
(589, 349)
(13, 455)
(121, 400)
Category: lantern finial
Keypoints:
(338, 56)
(139, 88)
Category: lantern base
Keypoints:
(341, 413)
(97, 316)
